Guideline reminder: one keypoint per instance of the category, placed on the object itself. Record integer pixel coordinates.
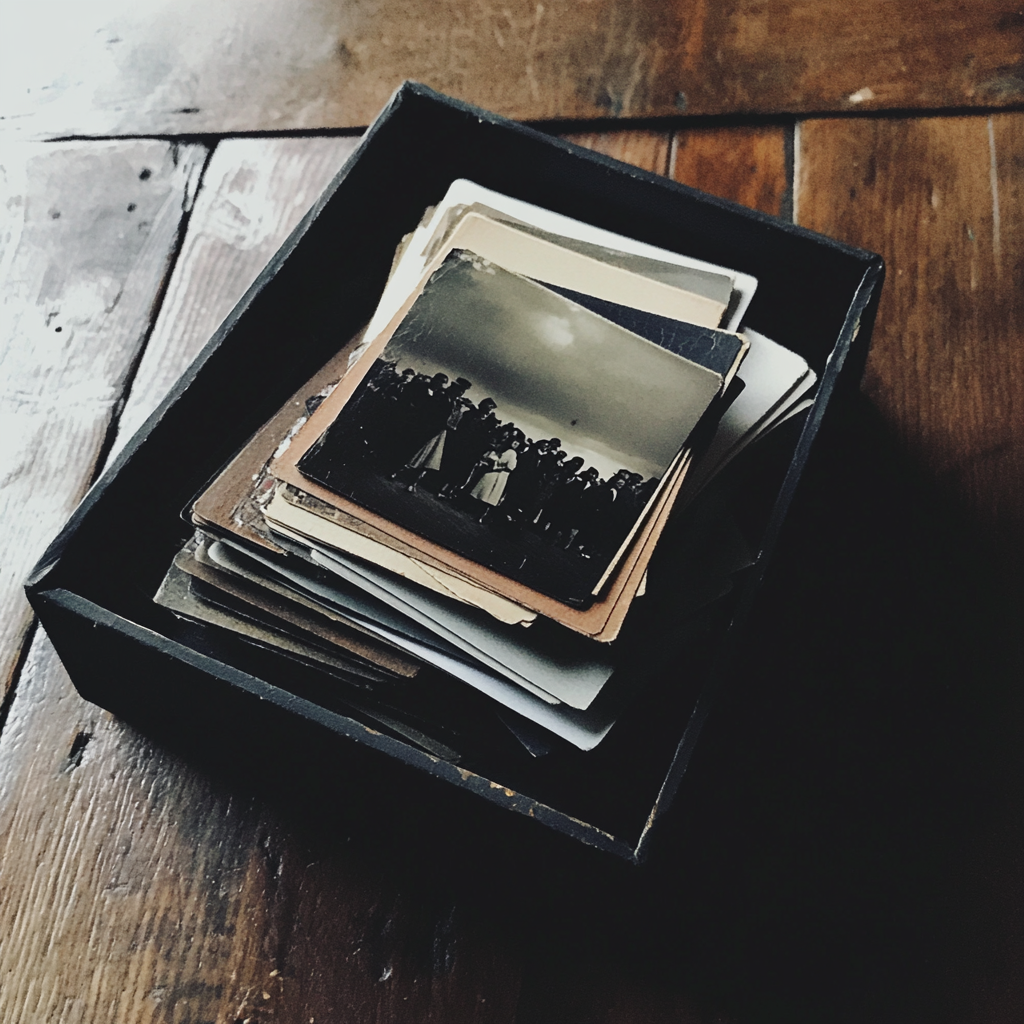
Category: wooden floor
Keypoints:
(849, 844)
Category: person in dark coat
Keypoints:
(425, 409)
(562, 508)
(428, 458)
(578, 513)
(596, 506)
(623, 513)
(380, 424)
(523, 487)
(549, 472)
(466, 444)
(643, 490)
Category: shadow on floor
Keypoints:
(845, 844)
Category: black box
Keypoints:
(93, 588)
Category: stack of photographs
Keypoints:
(472, 490)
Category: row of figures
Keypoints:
(422, 430)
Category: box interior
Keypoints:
(319, 290)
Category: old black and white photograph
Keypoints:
(514, 427)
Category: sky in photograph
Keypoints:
(554, 368)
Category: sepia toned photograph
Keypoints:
(511, 425)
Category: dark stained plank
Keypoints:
(646, 149)
(138, 888)
(254, 193)
(941, 200)
(922, 600)
(88, 234)
(574, 987)
(848, 838)
(165, 68)
(748, 164)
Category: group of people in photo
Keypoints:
(422, 431)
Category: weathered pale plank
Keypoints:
(219, 65)
(134, 887)
(941, 200)
(88, 233)
(254, 193)
(745, 163)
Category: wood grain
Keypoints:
(748, 164)
(134, 887)
(254, 193)
(159, 66)
(647, 149)
(941, 200)
(137, 888)
(88, 234)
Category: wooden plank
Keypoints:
(749, 164)
(646, 149)
(941, 200)
(137, 888)
(746, 163)
(934, 609)
(255, 191)
(88, 233)
(164, 67)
